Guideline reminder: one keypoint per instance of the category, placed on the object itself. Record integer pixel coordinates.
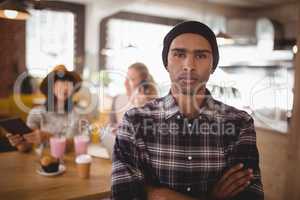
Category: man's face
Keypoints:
(189, 63)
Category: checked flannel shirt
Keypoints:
(156, 145)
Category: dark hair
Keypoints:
(51, 99)
(26, 85)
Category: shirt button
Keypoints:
(188, 189)
(190, 157)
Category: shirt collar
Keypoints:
(171, 108)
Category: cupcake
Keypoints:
(49, 164)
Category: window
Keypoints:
(55, 35)
(49, 41)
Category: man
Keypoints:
(187, 145)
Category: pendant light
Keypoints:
(14, 9)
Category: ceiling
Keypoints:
(239, 3)
(250, 3)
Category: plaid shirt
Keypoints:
(156, 145)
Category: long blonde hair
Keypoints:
(148, 81)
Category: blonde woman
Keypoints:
(140, 88)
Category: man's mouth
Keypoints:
(188, 80)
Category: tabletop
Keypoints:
(20, 180)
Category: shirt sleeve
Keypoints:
(246, 152)
(128, 181)
(34, 118)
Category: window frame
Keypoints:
(79, 13)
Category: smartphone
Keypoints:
(144, 86)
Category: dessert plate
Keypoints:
(61, 169)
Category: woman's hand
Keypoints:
(34, 137)
(114, 130)
(14, 140)
(18, 142)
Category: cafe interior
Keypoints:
(258, 42)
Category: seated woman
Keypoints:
(140, 88)
(57, 115)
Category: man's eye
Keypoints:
(201, 56)
(179, 55)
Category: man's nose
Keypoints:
(189, 63)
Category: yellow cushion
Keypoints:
(4, 107)
(21, 104)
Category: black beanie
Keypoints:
(191, 27)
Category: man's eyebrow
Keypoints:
(202, 51)
(179, 49)
(194, 51)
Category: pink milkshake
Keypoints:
(57, 146)
(81, 143)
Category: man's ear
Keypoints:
(167, 68)
(212, 70)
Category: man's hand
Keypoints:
(232, 183)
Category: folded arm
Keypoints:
(246, 152)
(156, 193)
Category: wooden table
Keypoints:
(19, 179)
